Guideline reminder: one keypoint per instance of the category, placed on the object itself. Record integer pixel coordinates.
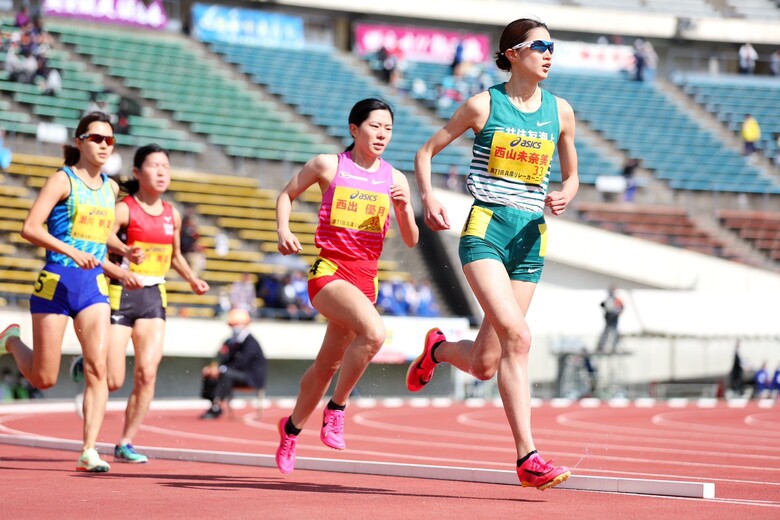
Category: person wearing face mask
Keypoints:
(240, 362)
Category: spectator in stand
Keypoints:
(774, 64)
(774, 388)
(736, 381)
(751, 134)
(386, 62)
(5, 153)
(221, 244)
(269, 289)
(777, 149)
(639, 59)
(651, 61)
(23, 17)
(243, 294)
(98, 103)
(629, 170)
(13, 63)
(747, 59)
(42, 39)
(52, 82)
(190, 242)
(457, 60)
(762, 382)
(426, 307)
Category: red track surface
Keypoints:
(738, 449)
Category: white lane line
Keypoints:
(578, 482)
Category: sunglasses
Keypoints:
(97, 138)
(537, 45)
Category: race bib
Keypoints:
(357, 209)
(518, 158)
(92, 224)
(46, 285)
(157, 259)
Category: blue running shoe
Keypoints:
(126, 453)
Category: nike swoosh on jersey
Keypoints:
(542, 123)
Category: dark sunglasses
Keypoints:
(97, 138)
(537, 45)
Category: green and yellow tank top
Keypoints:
(513, 153)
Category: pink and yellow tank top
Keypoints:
(355, 212)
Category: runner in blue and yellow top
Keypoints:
(518, 126)
(77, 206)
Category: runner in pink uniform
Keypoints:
(358, 190)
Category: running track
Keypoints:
(736, 446)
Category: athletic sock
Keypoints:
(333, 406)
(290, 429)
(433, 351)
(520, 461)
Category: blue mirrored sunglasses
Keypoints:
(537, 45)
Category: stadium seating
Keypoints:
(643, 122)
(757, 9)
(327, 99)
(592, 162)
(78, 86)
(195, 93)
(730, 98)
(669, 225)
(761, 228)
(241, 210)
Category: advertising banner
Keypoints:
(215, 23)
(420, 44)
(125, 12)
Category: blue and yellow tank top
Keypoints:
(84, 220)
(513, 153)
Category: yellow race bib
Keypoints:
(358, 209)
(92, 224)
(518, 158)
(157, 259)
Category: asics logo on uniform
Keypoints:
(542, 123)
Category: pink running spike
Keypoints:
(535, 472)
(332, 433)
(421, 370)
(285, 453)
